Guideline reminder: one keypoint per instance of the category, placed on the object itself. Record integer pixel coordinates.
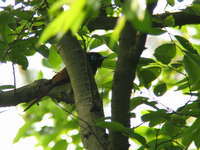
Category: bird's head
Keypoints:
(95, 59)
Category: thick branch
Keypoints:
(108, 23)
(31, 91)
(181, 18)
(87, 100)
(129, 54)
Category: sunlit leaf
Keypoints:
(147, 132)
(56, 6)
(171, 2)
(54, 58)
(106, 39)
(169, 21)
(64, 21)
(22, 132)
(138, 137)
(192, 67)
(60, 145)
(117, 30)
(186, 44)
(165, 53)
(156, 117)
(115, 126)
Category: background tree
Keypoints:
(61, 31)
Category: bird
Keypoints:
(95, 61)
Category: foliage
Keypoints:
(32, 27)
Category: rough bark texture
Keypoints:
(31, 91)
(23, 94)
(87, 100)
(181, 18)
(129, 54)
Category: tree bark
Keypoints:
(180, 18)
(128, 58)
(87, 100)
(31, 91)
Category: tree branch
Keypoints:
(87, 100)
(31, 91)
(131, 47)
(108, 23)
(181, 18)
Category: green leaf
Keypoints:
(23, 15)
(6, 18)
(56, 6)
(24, 47)
(139, 17)
(171, 2)
(169, 21)
(59, 25)
(104, 76)
(5, 32)
(110, 64)
(147, 132)
(43, 50)
(165, 53)
(138, 137)
(160, 89)
(183, 86)
(115, 126)
(54, 58)
(117, 30)
(136, 101)
(193, 10)
(163, 143)
(3, 87)
(106, 38)
(40, 75)
(156, 117)
(76, 138)
(170, 129)
(192, 67)
(145, 61)
(147, 75)
(191, 134)
(95, 43)
(186, 44)
(46, 63)
(3, 49)
(60, 145)
(22, 132)
(20, 59)
(197, 139)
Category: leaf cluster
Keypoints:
(35, 26)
